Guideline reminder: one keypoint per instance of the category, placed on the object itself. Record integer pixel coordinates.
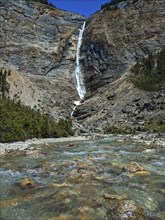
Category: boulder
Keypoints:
(132, 167)
(28, 182)
(128, 210)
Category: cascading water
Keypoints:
(79, 76)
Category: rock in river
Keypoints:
(27, 183)
(128, 210)
(132, 167)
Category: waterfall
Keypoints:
(79, 76)
(80, 86)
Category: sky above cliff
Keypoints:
(84, 7)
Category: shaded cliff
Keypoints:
(39, 42)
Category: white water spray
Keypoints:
(79, 76)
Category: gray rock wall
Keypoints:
(115, 39)
(38, 44)
(38, 39)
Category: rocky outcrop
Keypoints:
(115, 39)
(38, 44)
(122, 108)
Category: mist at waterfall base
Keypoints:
(84, 7)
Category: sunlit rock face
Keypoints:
(116, 38)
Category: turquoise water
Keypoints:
(71, 181)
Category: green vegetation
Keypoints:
(155, 128)
(112, 5)
(4, 86)
(156, 124)
(120, 128)
(46, 2)
(18, 122)
(149, 73)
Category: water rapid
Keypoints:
(83, 180)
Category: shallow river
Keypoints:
(83, 181)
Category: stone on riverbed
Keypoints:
(132, 167)
(128, 210)
(82, 164)
(71, 145)
(139, 173)
(149, 151)
(86, 213)
(114, 196)
(62, 217)
(28, 182)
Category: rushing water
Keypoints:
(79, 77)
(72, 179)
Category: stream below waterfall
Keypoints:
(83, 180)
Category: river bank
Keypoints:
(142, 138)
(22, 145)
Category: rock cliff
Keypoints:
(39, 42)
(114, 40)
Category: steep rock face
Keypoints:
(115, 39)
(122, 107)
(37, 38)
(39, 42)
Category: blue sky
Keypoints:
(84, 7)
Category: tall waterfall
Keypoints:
(79, 77)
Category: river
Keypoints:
(83, 180)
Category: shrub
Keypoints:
(46, 2)
(120, 128)
(4, 86)
(112, 5)
(149, 73)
